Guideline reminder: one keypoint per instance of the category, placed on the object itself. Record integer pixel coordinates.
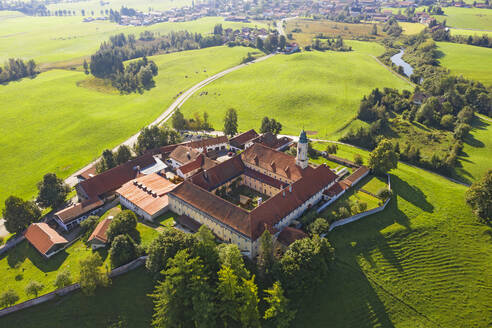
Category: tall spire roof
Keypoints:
(302, 137)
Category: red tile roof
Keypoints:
(114, 178)
(270, 140)
(334, 190)
(148, 192)
(43, 237)
(207, 142)
(72, 212)
(200, 162)
(264, 178)
(290, 235)
(274, 161)
(356, 175)
(100, 232)
(184, 154)
(88, 173)
(219, 174)
(241, 139)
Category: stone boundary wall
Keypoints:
(363, 214)
(138, 262)
(11, 243)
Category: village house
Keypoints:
(243, 140)
(99, 238)
(45, 239)
(70, 217)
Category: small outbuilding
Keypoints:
(45, 239)
(99, 238)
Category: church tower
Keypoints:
(302, 150)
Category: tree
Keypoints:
(259, 43)
(8, 298)
(270, 125)
(154, 137)
(383, 158)
(86, 66)
(33, 288)
(123, 250)
(178, 120)
(331, 148)
(248, 311)
(374, 30)
(278, 311)
(165, 247)
(265, 258)
(52, 191)
(184, 298)
(230, 256)
(228, 297)
(123, 154)
(319, 226)
(19, 214)
(479, 197)
(305, 265)
(146, 77)
(282, 42)
(123, 223)
(230, 122)
(63, 279)
(91, 274)
(358, 159)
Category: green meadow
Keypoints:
(320, 91)
(68, 39)
(459, 31)
(411, 28)
(60, 120)
(423, 262)
(470, 18)
(470, 61)
(97, 5)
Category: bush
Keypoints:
(358, 159)
(319, 226)
(63, 279)
(123, 250)
(384, 193)
(8, 298)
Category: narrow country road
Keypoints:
(72, 180)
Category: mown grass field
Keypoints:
(318, 90)
(124, 304)
(68, 40)
(97, 6)
(23, 264)
(470, 61)
(459, 31)
(423, 262)
(471, 18)
(310, 28)
(411, 28)
(52, 125)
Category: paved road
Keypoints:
(72, 180)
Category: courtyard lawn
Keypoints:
(470, 61)
(318, 90)
(65, 41)
(23, 264)
(44, 131)
(332, 165)
(166, 220)
(362, 197)
(124, 304)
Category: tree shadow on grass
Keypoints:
(410, 193)
(44, 264)
(17, 254)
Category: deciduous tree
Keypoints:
(230, 122)
(278, 312)
(52, 191)
(19, 214)
(383, 158)
(123, 223)
(92, 274)
(123, 250)
(479, 197)
(63, 279)
(8, 298)
(33, 288)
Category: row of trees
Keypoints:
(155, 137)
(195, 123)
(322, 43)
(202, 282)
(111, 159)
(270, 125)
(16, 69)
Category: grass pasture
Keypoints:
(319, 90)
(60, 42)
(374, 184)
(97, 6)
(469, 18)
(459, 31)
(423, 262)
(411, 28)
(310, 28)
(44, 131)
(470, 61)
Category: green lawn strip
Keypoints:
(471, 62)
(322, 160)
(374, 184)
(67, 38)
(318, 90)
(123, 304)
(23, 264)
(45, 131)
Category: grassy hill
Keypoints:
(423, 262)
(68, 39)
(61, 120)
(318, 90)
(470, 61)
(471, 18)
